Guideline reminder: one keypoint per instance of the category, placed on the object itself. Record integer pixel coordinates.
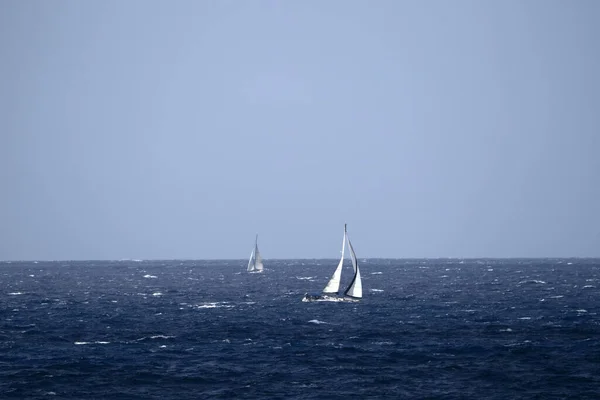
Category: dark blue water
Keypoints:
(447, 329)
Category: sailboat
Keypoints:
(331, 291)
(255, 263)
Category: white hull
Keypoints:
(331, 298)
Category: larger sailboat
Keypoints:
(331, 290)
(255, 263)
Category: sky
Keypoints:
(179, 129)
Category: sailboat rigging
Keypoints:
(255, 264)
(331, 290)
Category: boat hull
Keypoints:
(328, 297)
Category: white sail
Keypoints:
(258, 264)
(333, 286)
(251, 262)
(255, 264)
(355, 288)
(354, 291)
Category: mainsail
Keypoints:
(355, 288)
(258, 264)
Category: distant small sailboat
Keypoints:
(331, 291)
(255, 264)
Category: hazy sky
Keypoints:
(179, 129)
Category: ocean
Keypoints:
(184, 329)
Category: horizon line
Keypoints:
(304, 258)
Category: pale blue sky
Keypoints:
(178, 129)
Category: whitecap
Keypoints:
(316, 321)
(588, 287)
(582, 311)
(214, 305)
(157, 294)
(80, 343)
(376, 290)
(101, 342)
(525, 318)
(305, 278)
(376, 273)
(207, 305)
(532, 281)
(15, 293)
(150, 276)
